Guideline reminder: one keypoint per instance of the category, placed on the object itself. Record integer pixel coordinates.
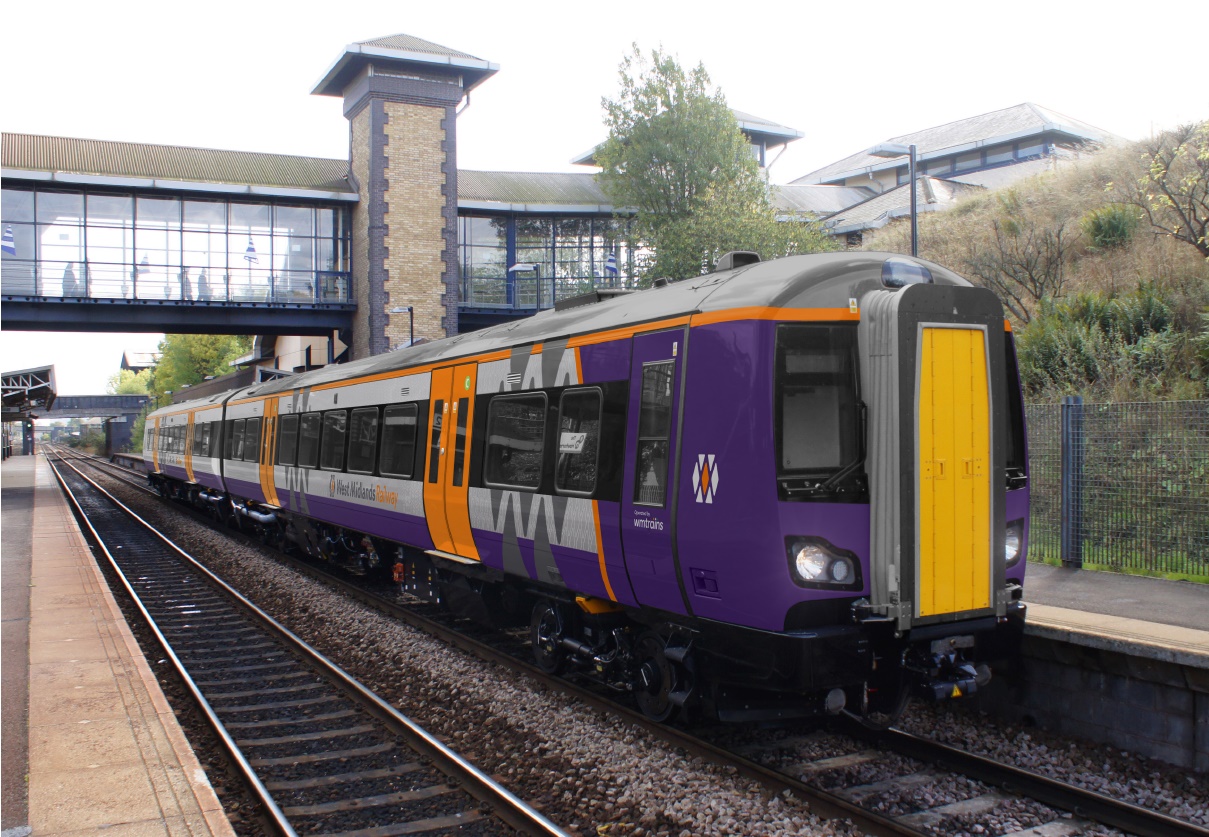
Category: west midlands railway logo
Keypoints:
(705, 478)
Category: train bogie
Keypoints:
(789, 488)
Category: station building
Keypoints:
(396, 235)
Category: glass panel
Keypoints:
(60, 242)
(363, 441)
(60, 279)
(434, 449)
(205, 215)
(110, 281)
(459, 449)
(20, 238)
(999, 154)
(62, 207)
(656, 415)
(251, 441)
(944, 166)
(110, 211)
(17, 205)
(399, 440)
(516, 429)
(335, 424)
(248, 250)
(308, 440)
(19, 278)
(650, 486)
(296, 221)
(817, 408)
(158, 212)
(578, 441)
(246, 285)
(112, 245)
(249, 217)
(287, 441)
(973, 160)
(1035, 149)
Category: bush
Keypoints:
(1110, 226)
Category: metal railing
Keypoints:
(1123, 487)
(528, 292)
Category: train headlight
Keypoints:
(810, 562)
(1013, 542)
(816, 563)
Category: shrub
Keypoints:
(1110, 226)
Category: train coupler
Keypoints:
(944, 673)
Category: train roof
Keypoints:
(821, 280)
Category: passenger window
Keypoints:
(363, 441)
(399, 441)
(335, 426)
(308, 440)
(287, 441)
(251, 441)
(237, 431)
(654, 428)
(516, 430)
(579, 414)
(459, 449)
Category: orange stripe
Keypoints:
(797, 315)
(579, 367)
(624, 333)
(1007, 325)
(604, 571)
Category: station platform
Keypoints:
(90, 744)
(1162, 620)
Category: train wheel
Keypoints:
(545, 634)
(656, 677)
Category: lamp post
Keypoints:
(895, 149)
(411, 321)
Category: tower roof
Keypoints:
(402, 51)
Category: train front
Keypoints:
(894, 566)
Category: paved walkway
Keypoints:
(105, 752)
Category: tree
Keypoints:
(129, 382)
(676, 155)
(1024, 264)
(1172, 192)
(190, 358)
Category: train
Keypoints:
(787, 488)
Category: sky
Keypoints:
(238, 75)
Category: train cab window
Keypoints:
(251, 441)
(654, 429)
(308, 440)
(516, 432)
(818, 414)
(579, 414)
(235, 444)
(331, 450)
(362, 441)
(399, 441)
(287, 441)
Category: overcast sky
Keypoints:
(238, 75)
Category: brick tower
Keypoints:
(400, 97)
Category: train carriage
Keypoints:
(786, 487)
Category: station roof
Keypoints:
(84, 162)
(531, 192)
(932, 194)
(404, 51)
(993, 128)
(27, 391)
(818, 199)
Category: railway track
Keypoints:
(323, 753)
(830, 779)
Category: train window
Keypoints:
(459, 447)
(237, 431)
(362, 441)
(195, 449)
(331, 450)
(287, 441)
(516, 430)
(654, 428)
(251, 441)
(817, 402)
(579, 414)
(308, 440)
(434, 451)
(399, 441)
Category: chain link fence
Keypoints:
(1123, 487)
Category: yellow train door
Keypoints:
(954, 468)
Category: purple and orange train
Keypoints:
(784, 488)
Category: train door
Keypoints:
(155, 446)
(646, 494)
(188, 453)
(447, 473)
(268, 449)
